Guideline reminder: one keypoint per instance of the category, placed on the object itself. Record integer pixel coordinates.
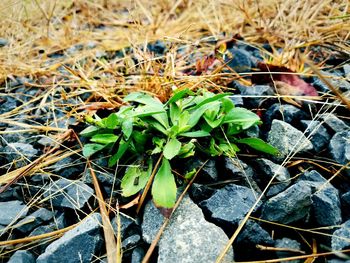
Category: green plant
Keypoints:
(187, 122)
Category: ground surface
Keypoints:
(60, 60)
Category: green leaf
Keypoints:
(127, 127)
(123, 147)
(179, 95)
(187, 150)
(227, 104)
(195, 134)
(91, 148)
(174, 113)
(242, 117)
(214, 123)
(260, 145)
(171, 148)
(159, 145)
(111, 122)
(211, 99)
(134, 180)
(104, 138)
(164, 186)
(155, 124)
(90, 131)
(197, 114)
(143, 98)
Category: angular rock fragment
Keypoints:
(291, 205)
(187, 238)
(77, 245)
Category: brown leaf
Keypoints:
(289, 83)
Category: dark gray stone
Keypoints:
(334, 123)
(334, 78)
(200, 192)
(341, 236)
(267, 169)
(319, 136)
(237, 170)
(254, 234)
(68, 193)
(18, 150)
(208, 173)
(254, 95)
(339, 147)
(126, 223)
(230, 204)
(131, 241)
(77, 245)
(137, 255)
(188, 237)
(287, 139)
(14, 210)
(289, 206)
(3, 42)
(33, 220)
(338, 261)
(240, 60)
(22, 256)
(68, 167)
(346, 69)
(253, 132)
(288, 244)
(285, 112)
(326, 207)
(103, 177)
(237, 100)
(345, 200)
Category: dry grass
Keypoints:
(40, 31)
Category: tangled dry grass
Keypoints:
(40, 31)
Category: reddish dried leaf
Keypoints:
(295, 86)
(206, 64)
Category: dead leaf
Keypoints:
(287, 82)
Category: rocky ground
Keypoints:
(305, 210)
(62, 59)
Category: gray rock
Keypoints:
(236, 169)
(287, 139)
(230, 204)
(285, 112)
(3, 42)
(68, 167)
(339, 147)
(335, 78)
(14, 210)
(240, 60)
(341, 237)
(200, 192)
(338, 261)
(68, 193)
(33, 220)
(208, 174)
(326, 207)
(318, 134)
(77, 245)
(346, 69)
(16, 150)
(237, 100)
(137, 255)
(287, 244)
(131, 241)
(188, 237)
(253, 95)
(254, 234)
(268, 169)
(126, 223)
(289, 206)
(334, 123)
(22, 256)
(345, 200)
(103, 177)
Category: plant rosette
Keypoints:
(186, 123)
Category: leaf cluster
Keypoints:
(186, 123)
